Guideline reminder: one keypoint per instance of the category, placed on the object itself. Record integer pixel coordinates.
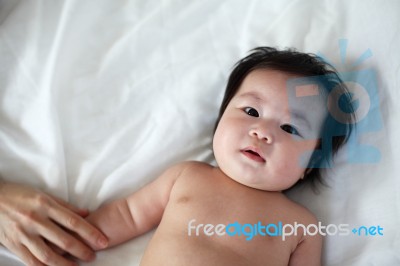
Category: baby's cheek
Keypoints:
(290, 170)
(219, 147)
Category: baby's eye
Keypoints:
(251, 111)
(290, 129)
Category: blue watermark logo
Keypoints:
(356, 110)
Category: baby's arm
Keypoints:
(308, 251)
(129, 217)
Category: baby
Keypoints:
(263, 145)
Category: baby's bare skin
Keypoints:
(195, 190)
(205, 194)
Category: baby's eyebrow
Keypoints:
(253, 95)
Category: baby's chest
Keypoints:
(249, 225)
(210, 208)
(247, 240)
(235, 232)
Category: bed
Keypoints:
(98, 97)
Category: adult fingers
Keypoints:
(68, 219)
(56, 249)
(25, 255)
(44, 253)
(65, 241)
(81, 212)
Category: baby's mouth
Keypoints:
(253, 155)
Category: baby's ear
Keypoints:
(305, 173)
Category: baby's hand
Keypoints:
(114, 220)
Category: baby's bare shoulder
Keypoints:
(183, 167)
(299, 212)
(190, 167)
(308, 248)
(196, 165)
(190, 171)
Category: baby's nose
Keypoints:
(261, 134)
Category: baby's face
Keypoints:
(260, 138)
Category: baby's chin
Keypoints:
(254, 181)
(263, 187)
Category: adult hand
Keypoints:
(32, 223)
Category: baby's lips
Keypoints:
(254, 154)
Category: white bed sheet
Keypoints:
(98, 97)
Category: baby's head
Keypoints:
(264, 137)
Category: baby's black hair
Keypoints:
(303, 65)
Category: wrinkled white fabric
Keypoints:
(98, 97)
